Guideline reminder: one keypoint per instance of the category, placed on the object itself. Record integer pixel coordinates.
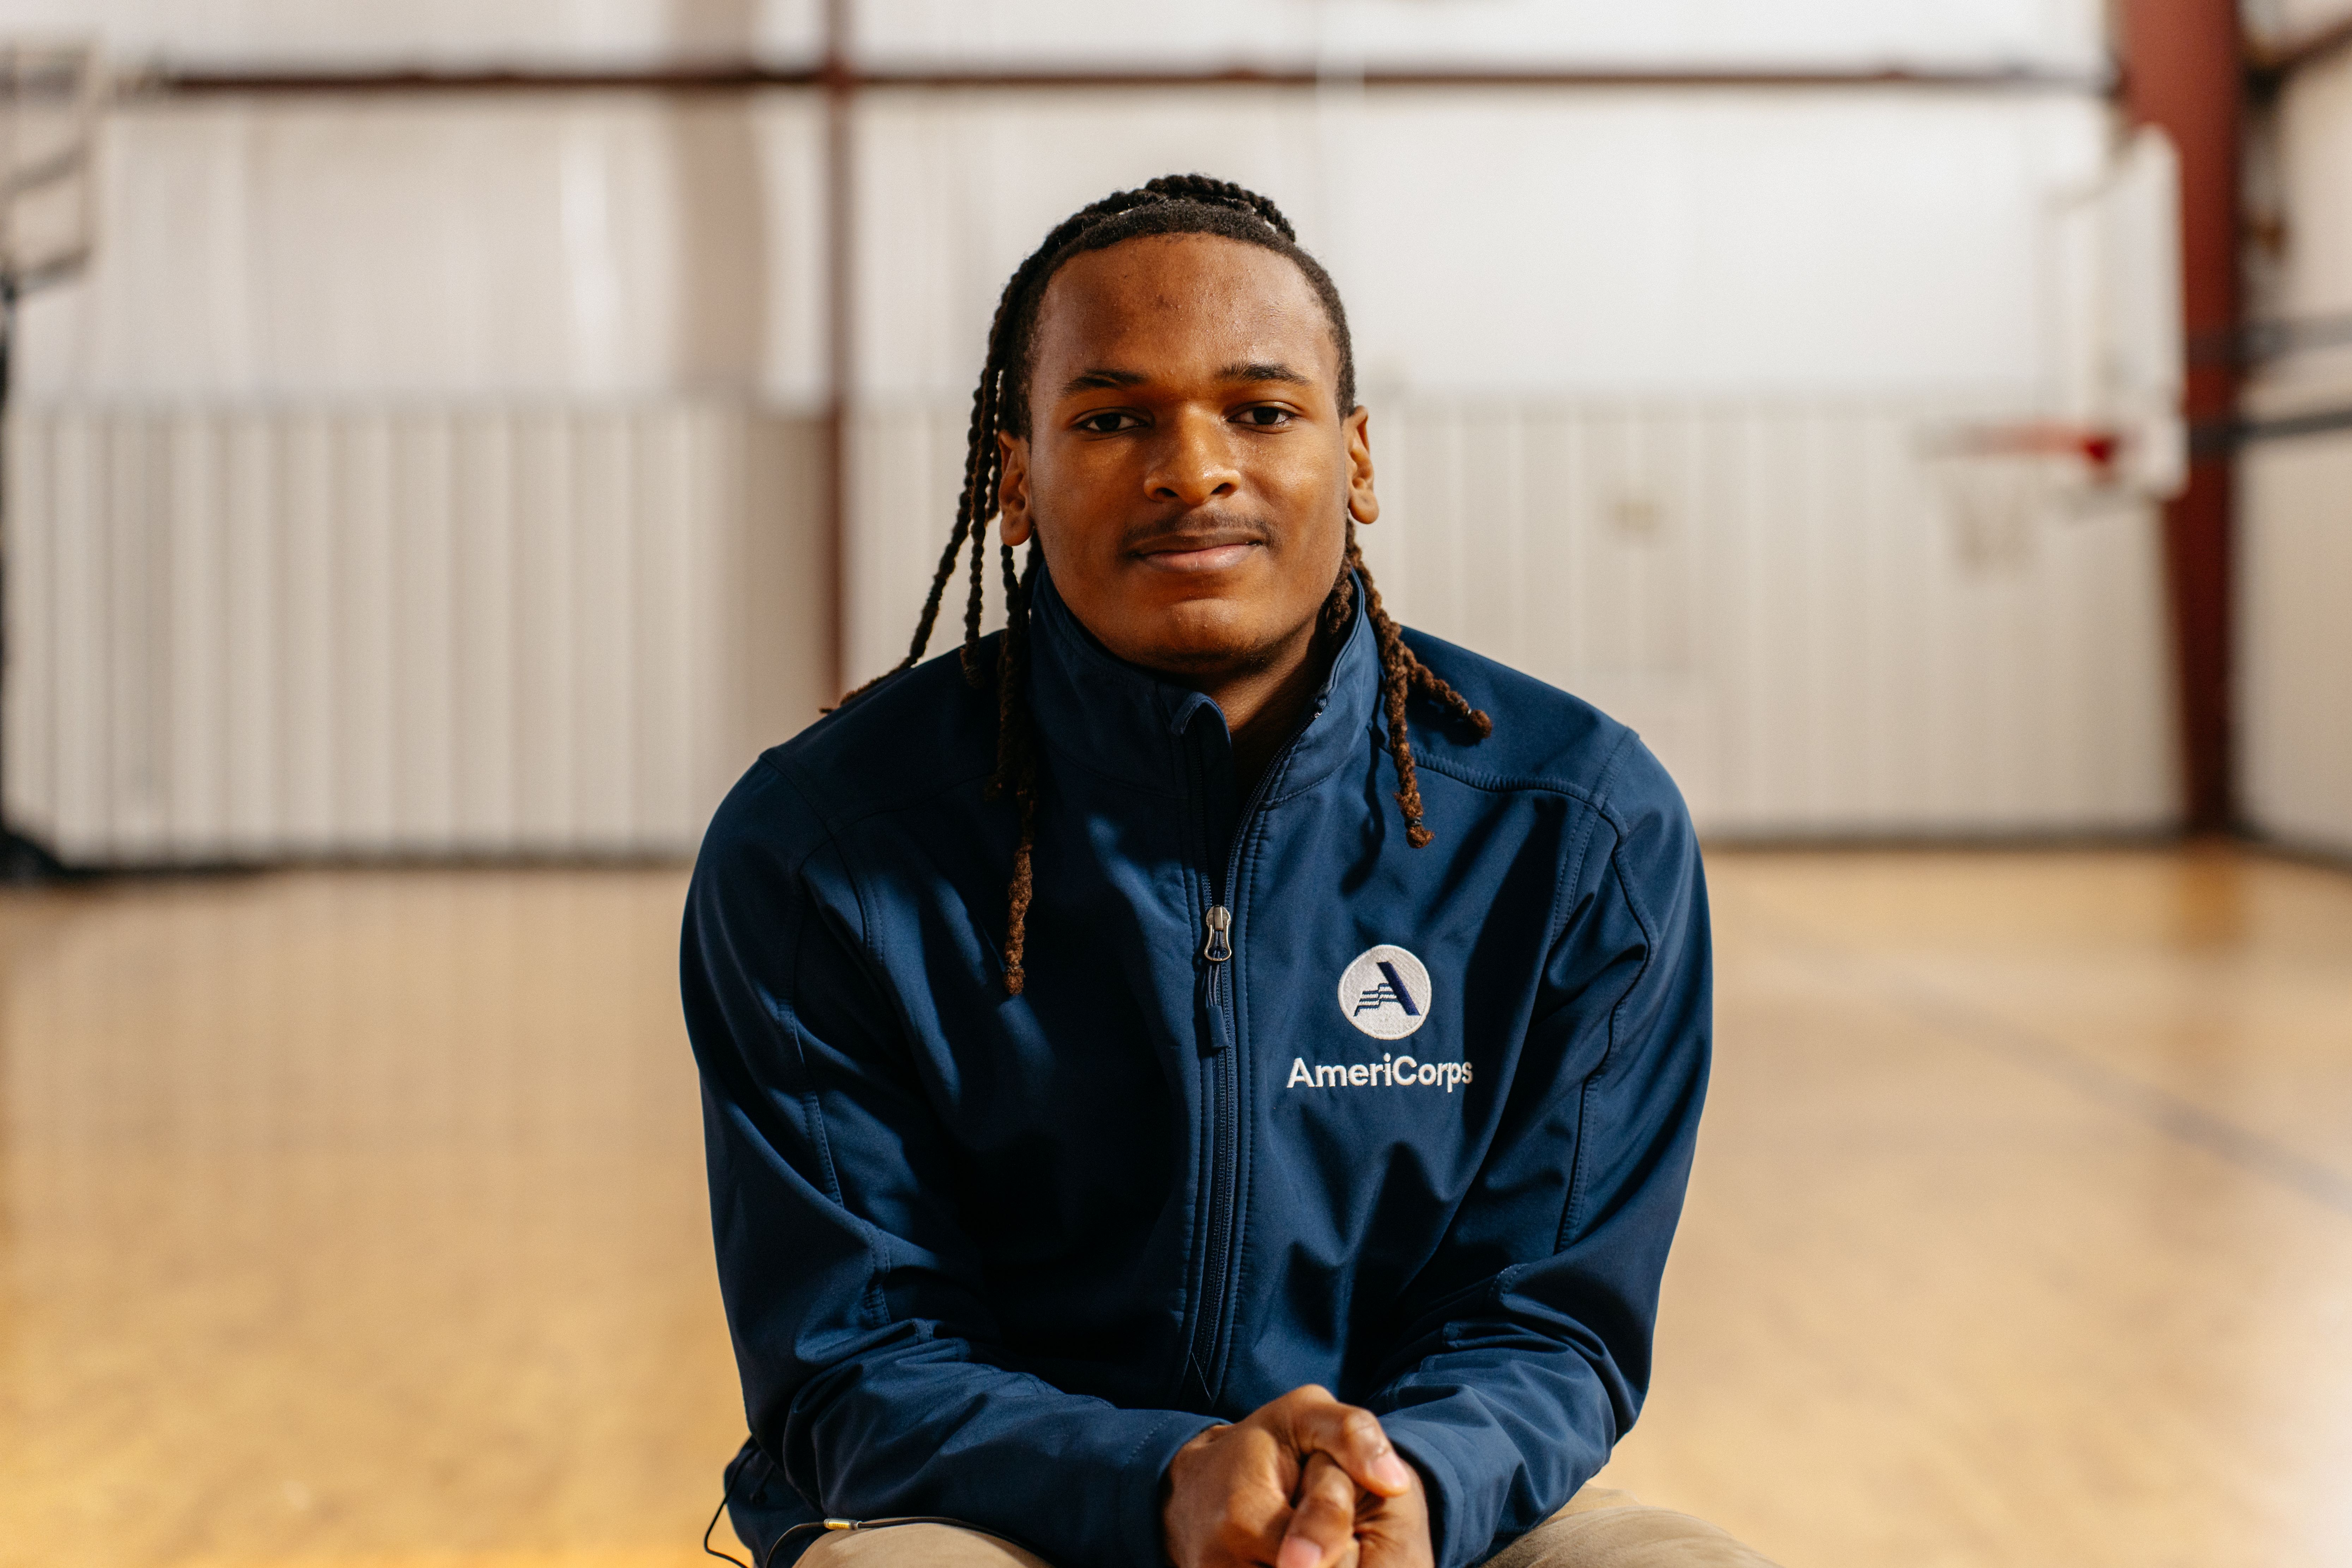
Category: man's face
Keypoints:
(1188, 470)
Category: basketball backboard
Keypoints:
(2111, 431)
(49, 116)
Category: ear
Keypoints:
(1363, 504)
(1013, 490)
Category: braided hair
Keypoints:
(1173, 203)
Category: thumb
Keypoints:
(1357, 1443)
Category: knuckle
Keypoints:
(1323, 1524)
(1336, 1494)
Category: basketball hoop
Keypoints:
(1998, 480)
(2093, 447)
(2105, 435)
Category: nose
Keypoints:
(1193, 465)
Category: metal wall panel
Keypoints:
(2295, 648)
(1668, 245)
(252, 633)
(262, 633)
(1220, 33)
(1778, 595)
(2295, 518)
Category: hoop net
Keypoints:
(1997, 481)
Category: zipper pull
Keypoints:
(1220, 922)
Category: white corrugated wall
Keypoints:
(1777, 595)
(1652, 377)
(2294, 587)
(414, 476)
(2295, 640)
(242, 634)
(426, 475)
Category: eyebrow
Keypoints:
(1095, 378)
(1264, 369)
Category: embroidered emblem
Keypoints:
(1385, 993)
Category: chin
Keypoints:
(1192, 641)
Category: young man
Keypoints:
(1204, 1077)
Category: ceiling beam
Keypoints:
(746, 76)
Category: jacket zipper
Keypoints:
(1224, 1030)
(1220, 945)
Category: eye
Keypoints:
(1266, 416)
(1109, 421)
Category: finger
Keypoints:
(1254, 1488)
(1323, 1525)
(1353, 1436)
(1393, 1533)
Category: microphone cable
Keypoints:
(826, 1526)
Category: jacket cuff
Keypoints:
(1140, 1539)
(1463, 1514)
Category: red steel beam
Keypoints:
(2184, 71)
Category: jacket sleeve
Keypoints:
(1532, 1355)
(852, 1293)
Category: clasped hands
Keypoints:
(1303, 1482)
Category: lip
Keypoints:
(1204, 558)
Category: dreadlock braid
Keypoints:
(1173, 203)
(1016, 763)
(1401, 675)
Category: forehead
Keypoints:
(1171, 302)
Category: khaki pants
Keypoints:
(1597, 1529)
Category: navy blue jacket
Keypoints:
(1414, 1125)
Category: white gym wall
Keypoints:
(427, 475)
(2295, 518)
(1651, 375)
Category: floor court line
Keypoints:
(2251, 1151)
(1969, 1021)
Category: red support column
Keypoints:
(2184, 70)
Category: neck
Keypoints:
(1264, 703)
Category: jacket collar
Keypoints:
(1126, 723)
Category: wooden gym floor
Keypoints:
(356, 1218)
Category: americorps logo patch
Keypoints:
(1385, 993)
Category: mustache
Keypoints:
(1201, 530)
